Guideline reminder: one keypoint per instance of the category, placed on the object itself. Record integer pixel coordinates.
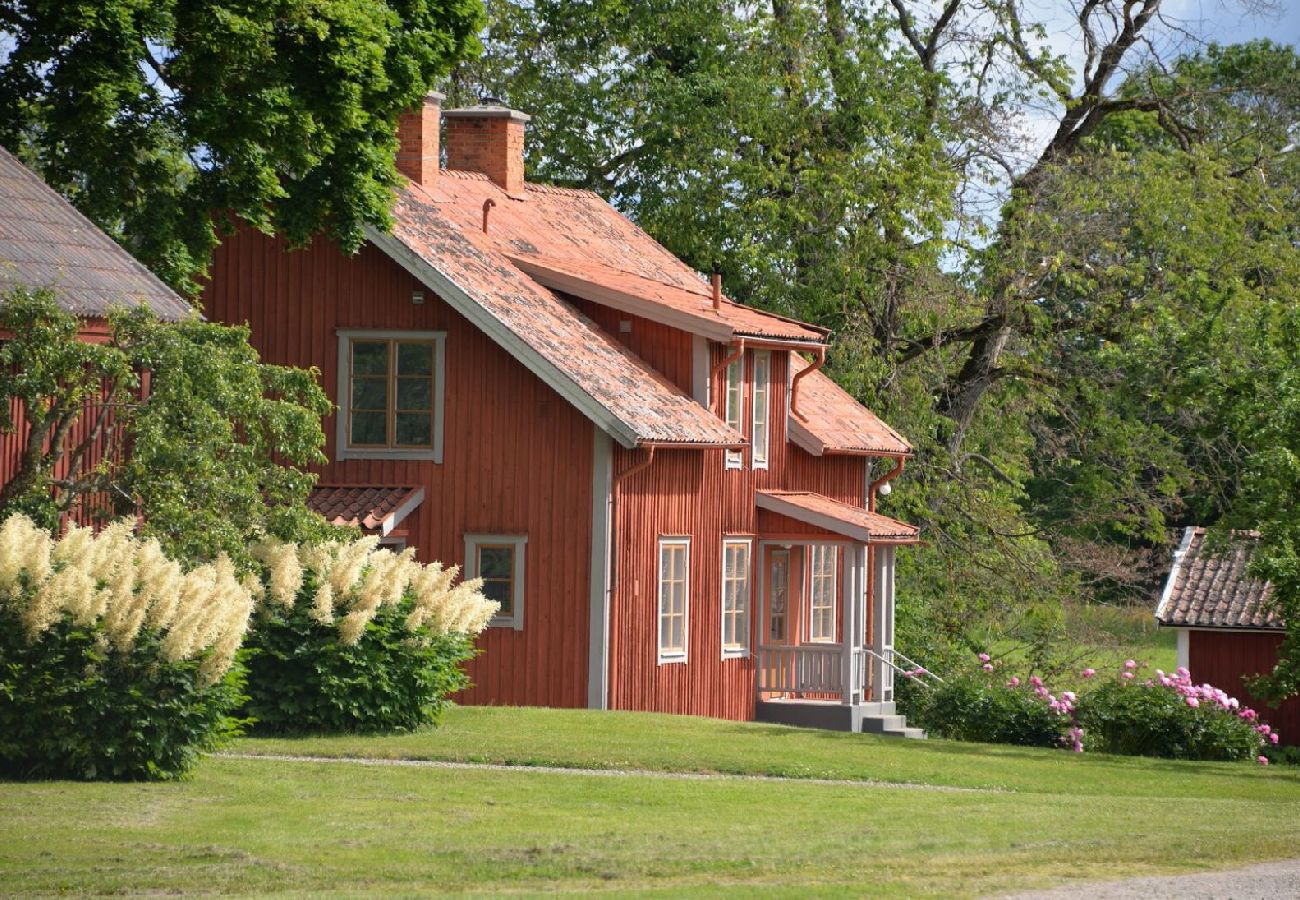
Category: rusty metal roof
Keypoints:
(46, 243)
(574, 241)
(831, 421)
(370, 507)
(1206, 589)
(602, 378)
(836, 517)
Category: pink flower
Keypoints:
(988, 667)
(1193, 702)
(1068, 695)
(1035, 681)
(1130, 664)
(1263, 760)
(1126, 675)
(1088, 673)
(984, 657)
(1014, 682)
(1183, 672)
(1273, 737)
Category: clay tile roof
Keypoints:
(370, 507)
(589, 368)
(838, 518)
(1213, 590)
(831, 421)
(574, 241)
(46, 243)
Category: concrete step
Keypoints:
(915, 734)
(880, 724)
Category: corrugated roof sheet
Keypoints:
(836, 517)
(589, 367)
(372, 507)
(1214, 590)
(46, 243)
(578, 239)
(830, 420)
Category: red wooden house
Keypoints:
(1227, 632)
(45, 243)
(673, 504)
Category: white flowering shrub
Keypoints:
(351, 637)
(115, 662)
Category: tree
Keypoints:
(178, 422)
(152, 117)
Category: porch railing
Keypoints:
(808, 669)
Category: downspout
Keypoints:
(883, 480)
(728, 360)
(799, 376)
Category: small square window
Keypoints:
(499, 561)
(390, 395)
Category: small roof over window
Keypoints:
(838, 518)
(372, 508)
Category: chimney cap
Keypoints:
(435, 96)
(487, 108)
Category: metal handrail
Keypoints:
(903, 672)
(915, 665)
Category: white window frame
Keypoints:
(343, 432)
(738, 649)
(519, 542)
(733, 411)
(762, 410)
(674, 654)
(814, 575)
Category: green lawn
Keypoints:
(257, 825)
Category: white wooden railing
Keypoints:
(809, 669)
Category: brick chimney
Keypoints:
(417, 137)
(488, 138)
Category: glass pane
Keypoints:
(665, 633)
(369, 357)
(414, 393)
(370, 393)
(500, 592)
(414, 359)
(679, 565)
(369, 428)
(414, 429)
(677, 640)
(496, 562)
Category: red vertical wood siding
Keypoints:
(1227, 659)
(691, 493)
(517, 457)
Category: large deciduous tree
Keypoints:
(153, 115)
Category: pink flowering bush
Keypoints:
(981, 707)
(1170, 716)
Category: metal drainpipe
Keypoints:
(613, 512)
(799, 376)
(884, 479)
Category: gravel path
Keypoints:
(1265, 881)
(606, 773)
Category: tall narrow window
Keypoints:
(778, 597)
(674, 566)
(499, 561)
(821, 593)
(390, 394)
(735, 598)
(759, 423)
(734, 402)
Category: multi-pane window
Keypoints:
(779, 597)
(735, 597)
(390, 394)
(759, 423)
(821, 592)
(674, 566)
(499, 561)
(734, 403)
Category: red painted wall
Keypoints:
(1226, 659)
(517, 457)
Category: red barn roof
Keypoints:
(1214, 589)
(46, 243)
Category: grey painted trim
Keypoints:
(1179, 554)
(701, 376)
(802, 437)
(1184, 648)
(396, 517)
(520, 544)
(342, 450)
(601, 548)
(458, 299)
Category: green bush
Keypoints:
(353, 638)
(1156, 720)
(975, 707)
(114, 663)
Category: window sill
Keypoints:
(670, 660)
(381, 453)
(514, 624)
(735, 654)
